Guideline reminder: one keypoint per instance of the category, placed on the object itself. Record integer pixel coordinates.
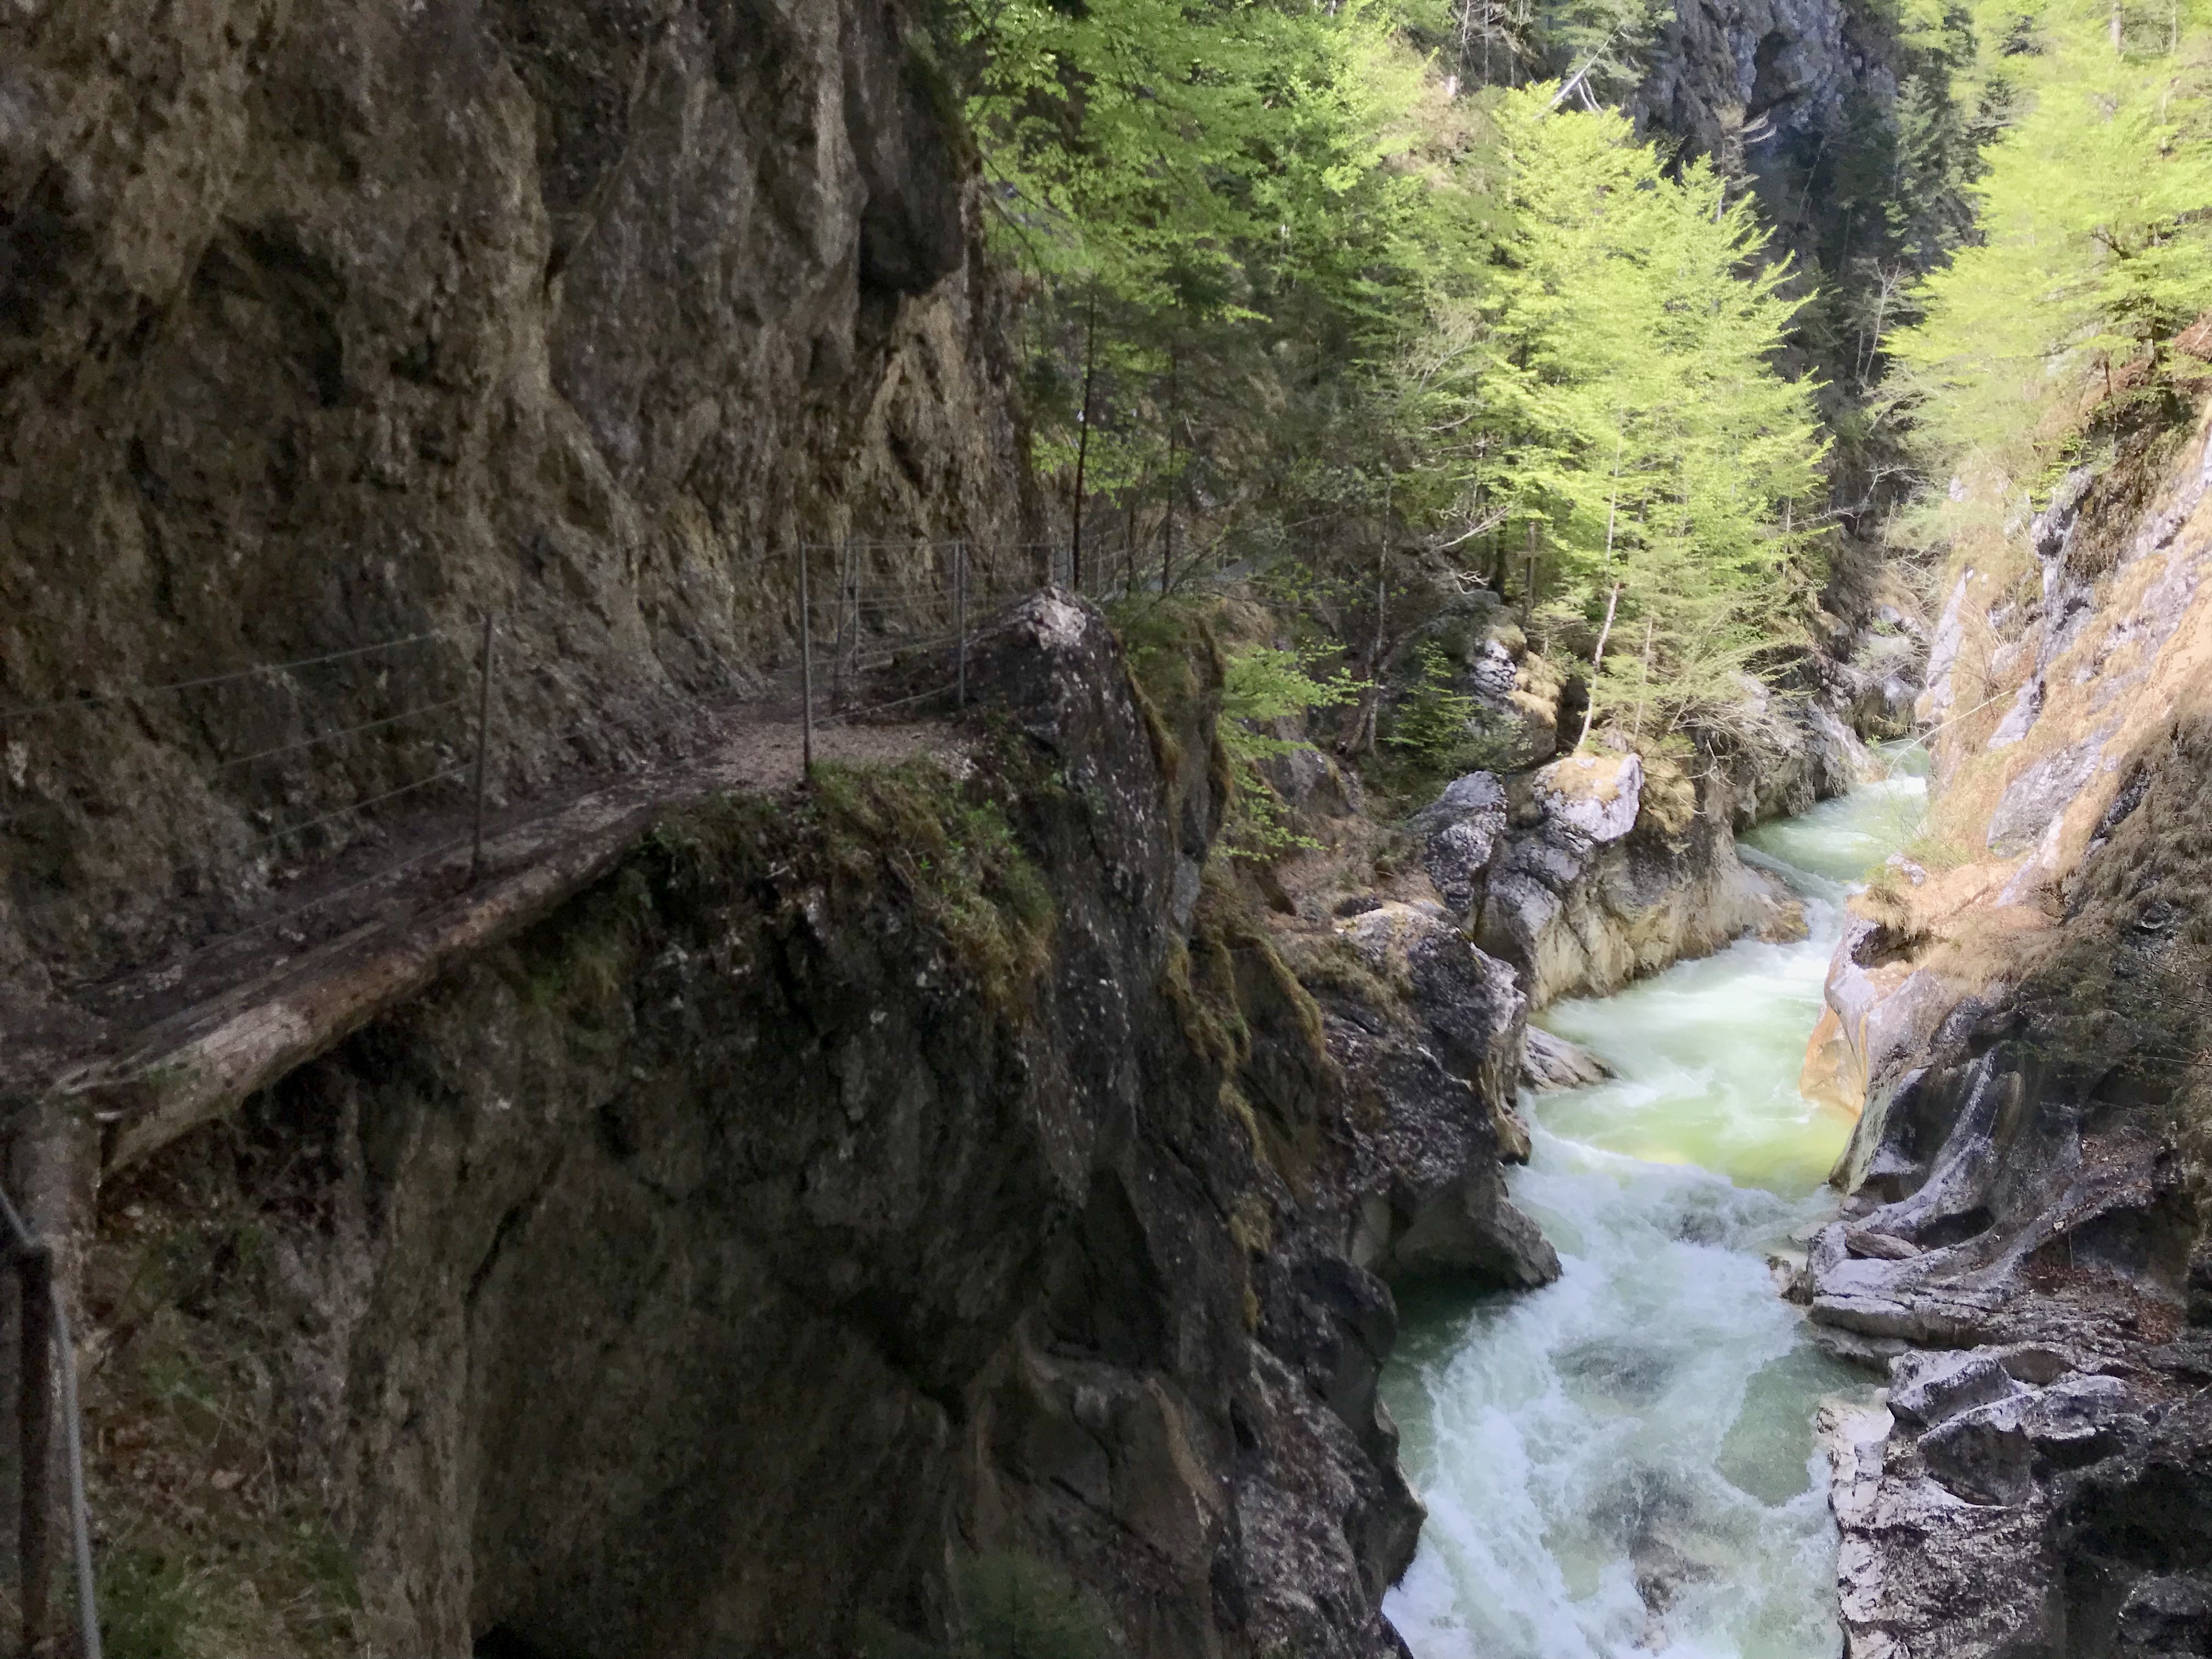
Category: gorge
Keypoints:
(835, 827)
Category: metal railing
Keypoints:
(325, 751)
(315, 756)
(48, 1356)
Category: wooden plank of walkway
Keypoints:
(185, 1070)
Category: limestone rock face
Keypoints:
(1552, 1062)
(1588, 890)
(1438, 1066)
(2024, 1238)
(326, 325)
(1746, 78)
(1515, 717)
(789, 1220)
(1595, 796)
(1460, 832)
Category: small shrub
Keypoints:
(1432, 724)
(1011, 1606)
(1018, 1608)
(1263, 684)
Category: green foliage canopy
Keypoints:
(1612, 388)
(2096, 244)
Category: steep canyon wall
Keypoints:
(324, 325)
(846, 1200)
(2023, 1004)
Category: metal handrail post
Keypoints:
(805, 670)
(35, 1417)
(483, 730)
(43, 1312)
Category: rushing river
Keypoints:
(1623, 1462)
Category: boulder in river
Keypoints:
(1430, 1035)
(1604, 877)
(1550, 1062)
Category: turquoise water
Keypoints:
(1623, 1461)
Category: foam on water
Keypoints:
(1623, 1461)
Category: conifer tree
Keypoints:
(2095, 242)
(1616, 381)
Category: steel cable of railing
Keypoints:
(362, 808)
(357, 806)
(34, 1261)
(320, 738)
(883, 618)
(258, 670)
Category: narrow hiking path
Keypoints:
(153, 1053)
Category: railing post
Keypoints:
(34, 1407)
(960, 614)
(805, 670)
(837, 637)
(483, 731)
(853, 557)
(88, 1600)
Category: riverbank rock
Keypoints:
(1592, 886)
(1460, 833)
(1550, 1062)
(2024, 1203)
(1429, 1036)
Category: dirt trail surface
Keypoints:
(151, 1055)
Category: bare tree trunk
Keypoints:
(1644, 685)
(1129, 544)
(1590, 709)
(1175, 431)
(1382, 612)
(1612, 599)
(1083, 440)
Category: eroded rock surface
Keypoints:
(2024, 1244)
(932, 1171)
(1592, 886)
(1435, 1067)
(1552, 1062)
(325, 326)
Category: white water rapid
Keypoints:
(1622, 1463)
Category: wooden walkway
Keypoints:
(211, 1038)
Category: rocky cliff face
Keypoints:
(1584, 872)
(1758, 85)
(851, 1197)
(2023, 1001)
(326, 325)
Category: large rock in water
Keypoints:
(1549, 1062)
(1586, 890)
(1437, 1065)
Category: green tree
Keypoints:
(1229, 212)
(2095, 249)
(1614, 388)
